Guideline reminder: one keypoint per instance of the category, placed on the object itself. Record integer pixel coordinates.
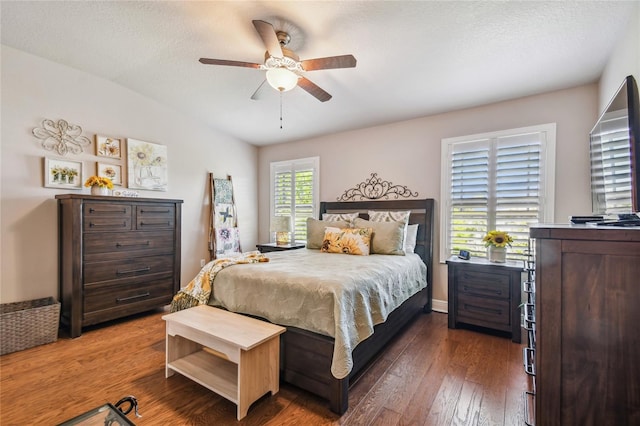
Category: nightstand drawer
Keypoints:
(484, 312)
(484, 284)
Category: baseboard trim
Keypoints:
(440, 306)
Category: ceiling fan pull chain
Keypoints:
(281, 109)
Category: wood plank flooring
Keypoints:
(428, 375)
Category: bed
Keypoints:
(314, 357)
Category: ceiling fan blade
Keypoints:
(344, 61)
(256, 95)
(269, 38)
(313, 89)
(208, 61)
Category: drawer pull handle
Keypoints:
(133, 245)
(156, 211)
(527, 412)
(124, 299)
(133, 271)
(529, 366)
(471, 290)
(97, 225)
(155, 223)
(92, 210)
(483, 310)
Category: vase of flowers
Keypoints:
(99, 185)
(497, 242)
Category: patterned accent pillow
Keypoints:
(347, 217)
(347, 241)
(387, 237)
(315, 231)
(388, 216)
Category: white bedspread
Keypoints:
(338, 295)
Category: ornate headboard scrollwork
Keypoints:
(375, 188)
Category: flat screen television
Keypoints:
(615, 154)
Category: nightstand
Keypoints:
(267, 247)
(485, 294)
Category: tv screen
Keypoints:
(615, 154)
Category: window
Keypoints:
(294, 192)
(501, 180)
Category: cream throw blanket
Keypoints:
(198, 291)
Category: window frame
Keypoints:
(547, 175)
(294, 165)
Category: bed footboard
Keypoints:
(305, 357)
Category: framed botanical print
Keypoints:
(147, 165)
(112, 171)
(62, 174)
(108, 147)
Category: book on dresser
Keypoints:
(118, 256)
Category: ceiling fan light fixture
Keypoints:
(282, 79)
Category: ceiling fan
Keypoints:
(284, 68)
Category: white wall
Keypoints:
(624, 61)
(408, 153)
(34, 89)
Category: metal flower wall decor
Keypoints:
(61, 137)
(375, 188)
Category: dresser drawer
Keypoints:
(484, 312)
(107, 300)
(150, 217)
(96, 272)
(130, 243)
(475, 283)
(99, 217)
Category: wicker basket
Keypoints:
(27, 324)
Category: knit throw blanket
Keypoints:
(198, 291)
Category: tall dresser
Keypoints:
(587, 317)
(118, 256)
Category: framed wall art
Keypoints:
(108, 147)
(147, 165)
(62, 174)
(112, 171)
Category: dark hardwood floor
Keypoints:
(429, 375)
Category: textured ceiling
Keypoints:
(414, 58)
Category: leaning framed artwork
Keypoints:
(62, 174)
(108, 147)
(112, 171)
(147, 165)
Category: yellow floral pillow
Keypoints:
(347, 240)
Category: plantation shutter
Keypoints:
(611, 167)
(495, 182)
(295, 193)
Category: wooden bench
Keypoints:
(235, 356)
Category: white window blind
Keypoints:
(294, 193)
(501, 180)
(611, 165)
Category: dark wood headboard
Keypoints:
(421, 213)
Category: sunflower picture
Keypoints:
(147, 165)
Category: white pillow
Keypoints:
(411, 238)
